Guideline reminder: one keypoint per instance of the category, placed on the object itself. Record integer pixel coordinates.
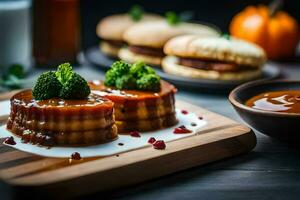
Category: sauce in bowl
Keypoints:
(278, 101)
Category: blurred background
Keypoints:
(218, 12)
(39, 34)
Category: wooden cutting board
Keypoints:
(27, 174)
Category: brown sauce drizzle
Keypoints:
(278, 101)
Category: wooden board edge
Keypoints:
(8, 95)
(229, 147)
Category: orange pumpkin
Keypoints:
(276, 32)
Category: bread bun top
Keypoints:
(157, 33)
(219, 48)
(112, 27)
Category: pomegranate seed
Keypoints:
(181, 129)
(10, 141)
(75, 156)
(151, 140)
(159, 144)
(185, 112)
(135, 134)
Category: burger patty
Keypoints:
(212, 65)
(115, 43)
(149, 51)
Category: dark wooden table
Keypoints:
(270, 171)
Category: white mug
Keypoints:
(15, 33)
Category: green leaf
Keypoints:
(172, 18)
(64, 72)
(226, 36)
(12, 79)
(16, 69)
(12, 82)
(136, 13)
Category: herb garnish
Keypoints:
(136, 13)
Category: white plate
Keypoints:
(112, 148)
(4, 108)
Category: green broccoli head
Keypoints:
(139, 69)
(149, 82)
(117, 70)
(75, 88)
(126, 82)
(137, 76)
(64, 72)
(63, 83)
(47, 86)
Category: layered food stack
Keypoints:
(185, 49)
(62, 122)
(222, 58)
(146, 40)
(60, 111)
(143, 102)
(141, 110)
(111, 28)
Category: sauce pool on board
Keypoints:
(287, 101)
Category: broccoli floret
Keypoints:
(149, 82)
(47, 86)
(63, 83)
(64, 72)
(126, 82)
(110, 78)
(117, 70)
(139, 69)
(137, 76)
(75, 88)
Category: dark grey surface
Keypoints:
(270, 171)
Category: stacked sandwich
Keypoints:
(111, 28)
(221, 58)
(146, 40)
(183, 49)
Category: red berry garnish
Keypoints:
(75, 156)
(151, 140)
(185, 112)
(181, 129)
(10, 141)
(135, 134)
(159, 144)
